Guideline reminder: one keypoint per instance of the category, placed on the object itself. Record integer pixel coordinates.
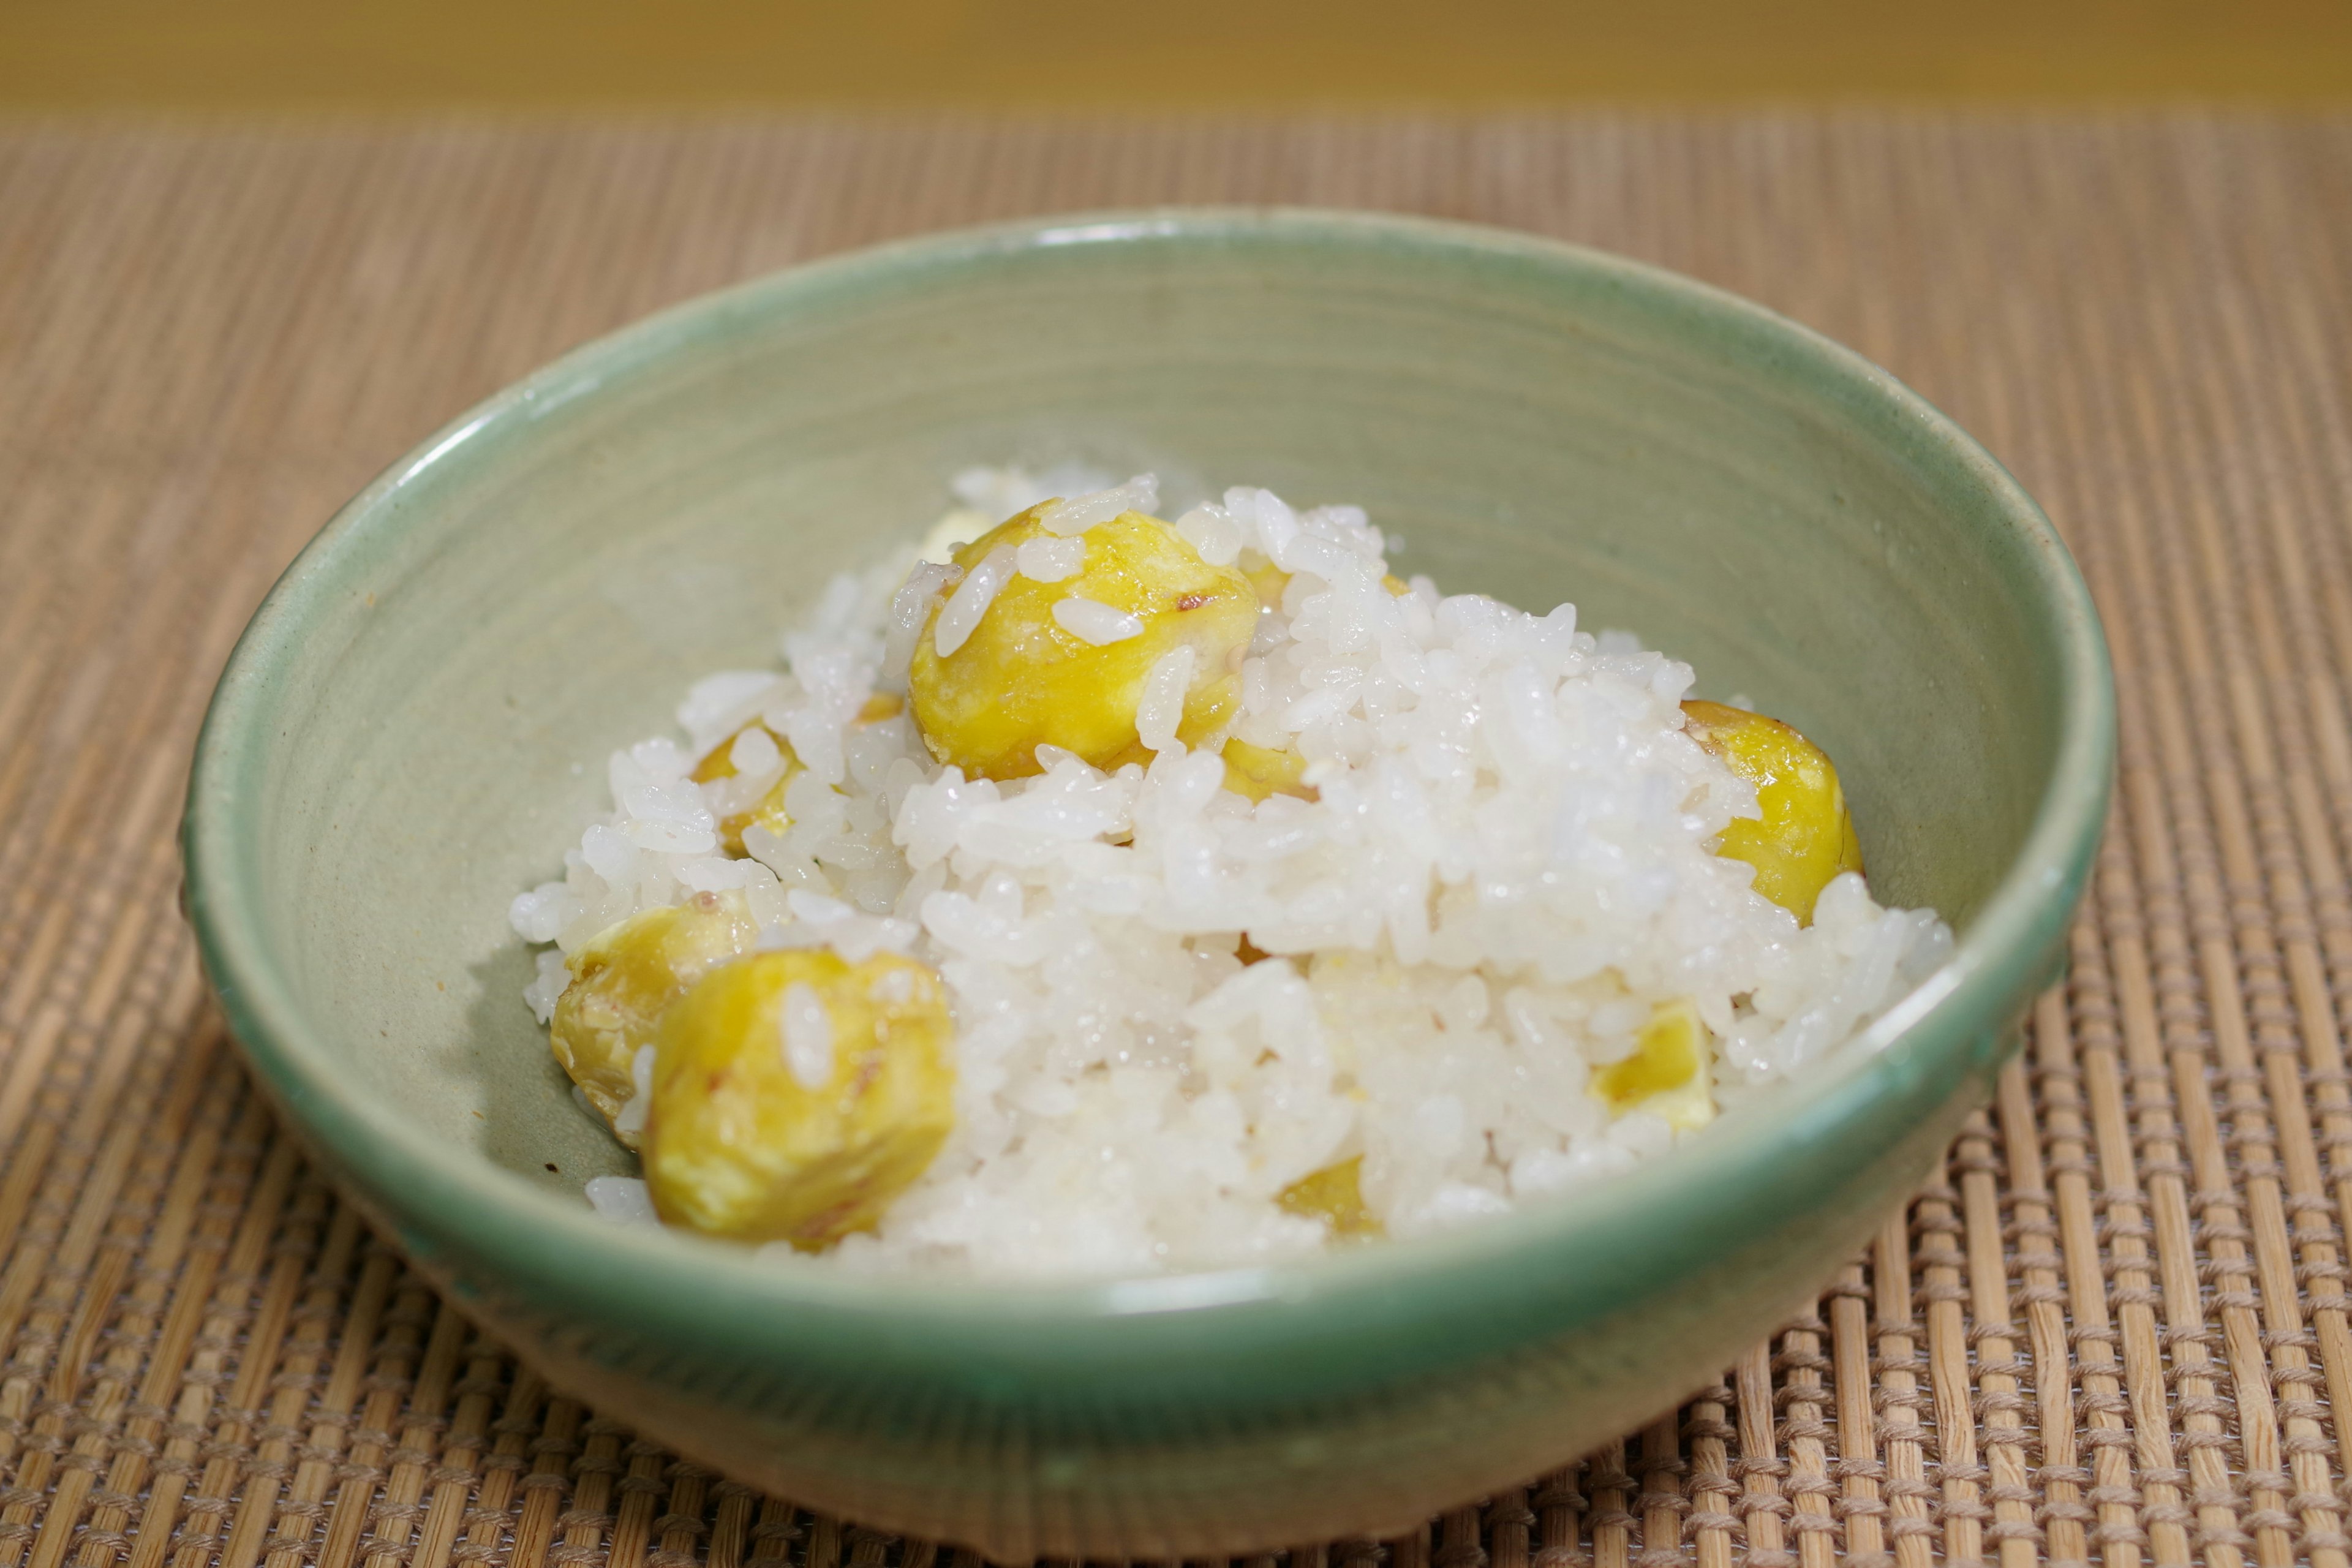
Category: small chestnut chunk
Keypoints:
(1667, 1073)
(1258, 772)
(623, 982)
(796, 1094)
(1334, 1194)
(1806, 835)
(1010, 661)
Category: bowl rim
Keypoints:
(462, 1198)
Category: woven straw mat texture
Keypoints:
(2114, 1327)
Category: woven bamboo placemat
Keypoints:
(2114, 1328)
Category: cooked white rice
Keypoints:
(1508, 868)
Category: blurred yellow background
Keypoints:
(371, 54)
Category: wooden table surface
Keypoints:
(2115, 1328)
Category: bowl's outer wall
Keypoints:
(1196, 1471)
(477, 635)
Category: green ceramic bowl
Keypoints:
(414, 728)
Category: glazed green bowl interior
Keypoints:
(415, 727)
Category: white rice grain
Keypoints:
(1212, 531)
(911, 608)
(1165, 687)
(1264, 515)
(632, 1118)
(718, 705)
(1052, 560)
(1093, 621)
(960, 616)
(623, 1200)
(1080, 513)
(755, 755)
(998, 493)
(553, 975)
